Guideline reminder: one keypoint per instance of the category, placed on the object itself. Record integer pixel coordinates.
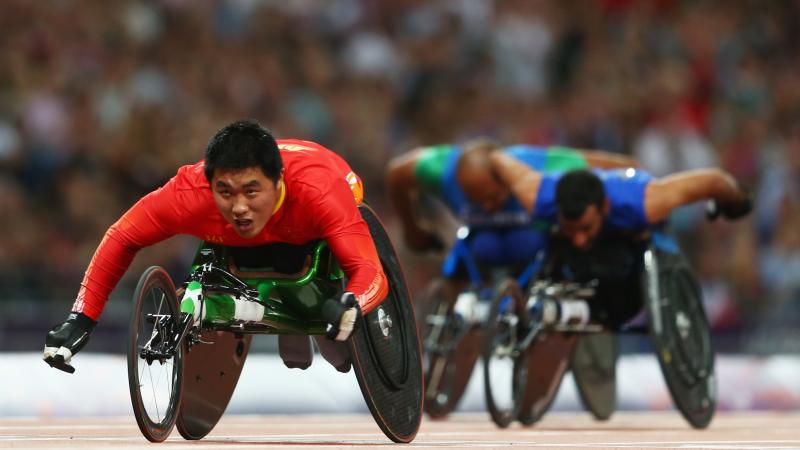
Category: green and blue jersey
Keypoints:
(435, 171)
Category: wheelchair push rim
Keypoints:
(504, 363)
(385, 349)
(154, 378)
(681, 335)
(450, 351)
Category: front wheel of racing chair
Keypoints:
(451, 349)
(385, 349)
(155, 355)
(504, 356)
(681, 335)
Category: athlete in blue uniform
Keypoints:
(466, 181)
(585, 203)
(603, 217)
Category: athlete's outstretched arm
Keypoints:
(665, 194)
(404, 190)
(607, 160)
(150, 220)
(521, 180)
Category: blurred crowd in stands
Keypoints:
(101, 101)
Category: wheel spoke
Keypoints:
(155, 399)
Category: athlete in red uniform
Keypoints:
(250, 190)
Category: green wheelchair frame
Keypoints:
(191, 382)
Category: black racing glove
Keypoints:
(342, 316)
(65, 340)
(730, 210)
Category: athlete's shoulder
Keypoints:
(191, 176)
(312, 165)
(437, 151)
(288, 146)
(524, 148)
(628, 173)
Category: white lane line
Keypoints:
(132, 427)
(68, 438)
(739, 444)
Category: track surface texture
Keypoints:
(558, 430)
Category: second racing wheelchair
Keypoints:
(185, 356)
(455, 311)
(570, 315)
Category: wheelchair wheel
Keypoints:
(594, 368)
(504, 363)
(155, 374)
(681, 335)
(385, 349)
(210, 374)
(450, 351)
(547, 361)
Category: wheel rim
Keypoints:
(155, 387)
(381, 363)
(681, 333)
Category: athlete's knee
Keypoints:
(522, 245)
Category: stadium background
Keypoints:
(100, 102)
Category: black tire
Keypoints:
(448, 364)
(155, 399)
(681, 335)
(385, 349)
(594, 369)
(504, 329)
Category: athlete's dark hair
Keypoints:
(576, 190)
(243, 144)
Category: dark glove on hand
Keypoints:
(730, 210)
(65, 340)
(342, 316)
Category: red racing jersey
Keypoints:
(320, 202)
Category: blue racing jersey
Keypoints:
(624, 189)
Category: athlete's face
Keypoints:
(246, 198)
(582, 231)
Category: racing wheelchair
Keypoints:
(185, 357)
(455, 312)
(535, 332)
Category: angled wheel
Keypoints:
(548, 360)
(504, 362)
(681, 335)
(451, 349)
(385, 349)
(155, 368)
(594, 368)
